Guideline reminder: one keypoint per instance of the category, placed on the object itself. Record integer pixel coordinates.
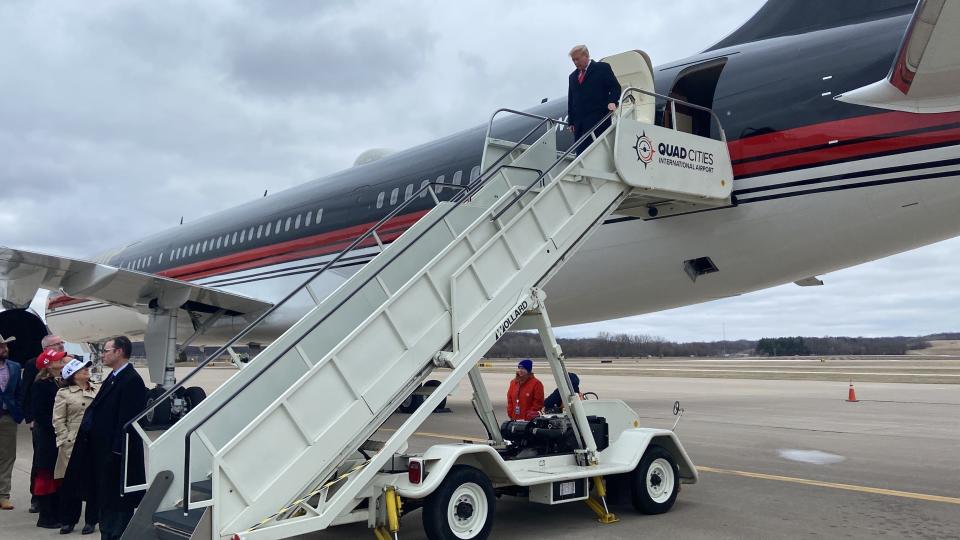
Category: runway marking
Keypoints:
(834, 485)
(458, 438)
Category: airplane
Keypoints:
(843, 128)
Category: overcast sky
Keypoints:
(117, 118)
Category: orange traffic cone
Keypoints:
(851, 394)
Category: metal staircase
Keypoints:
(274, 451)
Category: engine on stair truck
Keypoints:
(548, 436)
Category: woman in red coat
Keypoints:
(525, 395)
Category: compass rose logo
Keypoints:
(644, 148)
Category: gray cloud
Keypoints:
(330, 57)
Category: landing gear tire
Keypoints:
(433, 384)
(461, 508)
(161, 414)
(194, 395)
(655, 482)
(412, 403)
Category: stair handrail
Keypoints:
(628, 91)
(464, 195)
(625, 95)
(560, 159)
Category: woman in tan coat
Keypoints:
(69, 406)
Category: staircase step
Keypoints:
(172, 524)
(202, 490)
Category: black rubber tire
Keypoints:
(159, 416)
(435, 506)
(642, 501)
(433, 383)
(194, 395)
(411, 404)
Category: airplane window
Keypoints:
(150, 261)
(260, 231)
(267, 232)
(393, 196)
(475, 173)
(296, 224)
(319, 216)
(243, 236)
(286, 226)
(203, 248)
(197, 250)
(219, 242)
(234, 241)
(250, 234)
(408, 192)
(423, 185)
(160, 260)
(380, 200)
(440, 181)
(457, 177)
(277, 228)
(190, 251)
(307, 221)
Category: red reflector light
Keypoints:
(415, 471)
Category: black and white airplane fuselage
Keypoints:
(820, 185)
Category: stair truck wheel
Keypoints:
(461, 507)
(656, 482)
(194, 395)
(433, 383)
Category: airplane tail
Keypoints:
(791, 17)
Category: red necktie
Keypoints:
(580, 77)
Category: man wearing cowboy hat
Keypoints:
(10, 416)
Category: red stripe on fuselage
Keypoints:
(291, 250)
(815, 137)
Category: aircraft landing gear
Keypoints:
(173, 408)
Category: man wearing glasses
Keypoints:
(99, 446)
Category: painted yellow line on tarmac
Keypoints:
(458, 438)
(834, 485)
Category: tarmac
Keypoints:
(778, 458)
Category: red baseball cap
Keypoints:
(48, 357)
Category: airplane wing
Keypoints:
(925, 76)
(23, 272)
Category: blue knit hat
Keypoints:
(526, 364)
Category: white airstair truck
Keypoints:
(286, 445)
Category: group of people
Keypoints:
(77, 434)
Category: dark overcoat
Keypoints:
(587, 101)
(96, 463)
(42, 396)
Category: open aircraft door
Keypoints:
(634, 69)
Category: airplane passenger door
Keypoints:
(696, 84)
(633, 68)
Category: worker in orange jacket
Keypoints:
(525, 395)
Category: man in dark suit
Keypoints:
(593, 91)
(10, 416)
(97, 457)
